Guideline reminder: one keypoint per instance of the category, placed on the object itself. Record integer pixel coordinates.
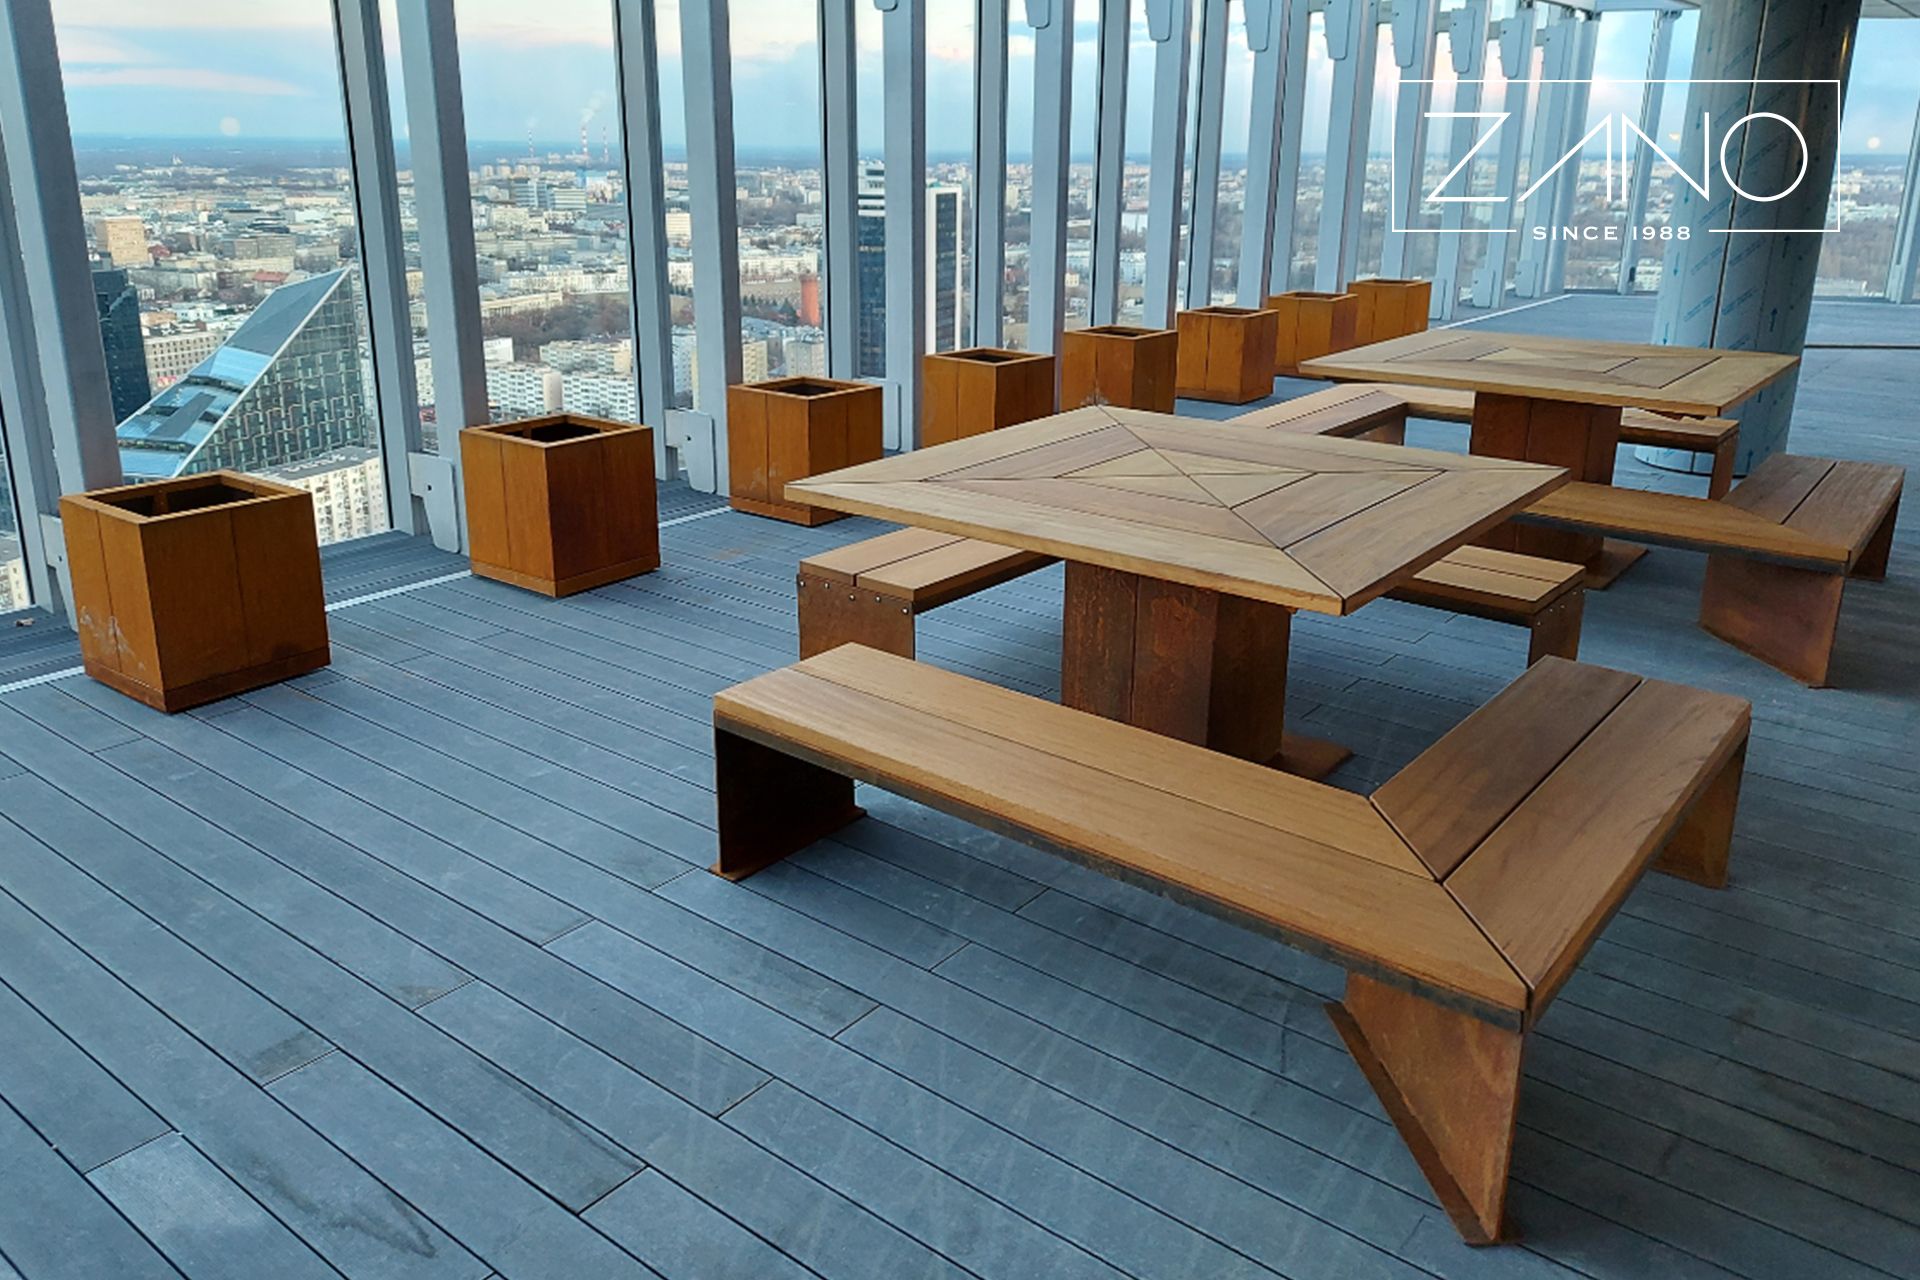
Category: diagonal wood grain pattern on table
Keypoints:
(1696, 381)
(1306, 522)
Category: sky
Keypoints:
(262, 69)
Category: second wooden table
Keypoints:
(1189, 546)
(1558, 401)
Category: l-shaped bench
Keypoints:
(1459, 897)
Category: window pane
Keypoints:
(950, 61)
(777, 159)
(13, 568)
(1870, 179)
(549, 207)
(220, 214)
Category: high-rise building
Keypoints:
(943, 268)
(119, 304)
(122, 240)
(349, 488)
(172, 356)
(13, 570)
(284, 388)
(522, 390)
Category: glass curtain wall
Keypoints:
(221, 223)
(951, 186)
(778, 163)
(549, 207)
(1600, 203)
(1876, 130)
(1229, 219)
(1138, 173)
(1083, 142)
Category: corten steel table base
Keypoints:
(1198, 665)
(1583, 438)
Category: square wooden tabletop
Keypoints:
(1307, 522)
(1695, 381)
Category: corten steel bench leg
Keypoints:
(1555, 630)
(1451, 1084)
(772, 804)
(1782, 615)
(835, 613)
(1698, 850)
(1387, 432)
(1872, 563)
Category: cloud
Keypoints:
(86, 46)
(190, 79)
(222, 14)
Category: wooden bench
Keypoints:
(1547, 597)
(1719, 437)
(1458, 898)
(870, 592)
(1780, 547)
(1351, 410)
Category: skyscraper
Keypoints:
(119, 304)
(284, 389)
(945, 211)
(122, 240)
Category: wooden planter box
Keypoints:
(1390, 308)
(982, 389)
(1226, 354)
(791, 428)
(186, 591)
(1119, 365)
(560, 504)
(1309, 325)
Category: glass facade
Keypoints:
(221, 221)
(226, 262)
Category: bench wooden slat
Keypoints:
(1547, 879)
(1672, 519)
(1700, 435)
(959, 568)
(1370, 917)
(1464, 786)
(845, 564)
(1849, 503)
(1778, 485)
(1312, 810)
(1494, 579)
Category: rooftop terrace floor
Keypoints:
(410, 967)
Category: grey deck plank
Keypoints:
(465, 936)
(801, 1216)
(549, 1147)
(501, 1218)
(1000, 1163)
(55, 1225)
(683, 1237)
(202, 1221)
(77, 1107)
(355, 1222)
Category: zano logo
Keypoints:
(1788, 157)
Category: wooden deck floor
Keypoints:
(409, 969)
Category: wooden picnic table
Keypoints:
(1558, 401)
(1190, 544)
